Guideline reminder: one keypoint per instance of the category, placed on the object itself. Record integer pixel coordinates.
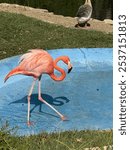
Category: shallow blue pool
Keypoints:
(84, 97)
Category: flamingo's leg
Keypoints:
(29, 98)
(42, 100)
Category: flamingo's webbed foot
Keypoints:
(29, 123)
(63, 118)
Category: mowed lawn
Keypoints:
(19, 33)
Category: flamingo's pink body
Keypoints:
(35, 63)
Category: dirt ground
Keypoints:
(44, 15)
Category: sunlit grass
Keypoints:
(19, 33)
(69, 140)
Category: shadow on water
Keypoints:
(57, 101)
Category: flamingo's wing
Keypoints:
(36, 61)
(30, 53)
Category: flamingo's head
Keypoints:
(66, 60)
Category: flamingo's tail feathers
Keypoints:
(13, 72)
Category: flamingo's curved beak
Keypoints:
(69, 67)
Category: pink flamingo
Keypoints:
(35, 63)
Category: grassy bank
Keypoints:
(19, 33)
(69, 140)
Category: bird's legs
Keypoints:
(42, 100)
(83, 25)
(29, 98)
(87, 24)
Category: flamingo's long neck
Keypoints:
(63, 74)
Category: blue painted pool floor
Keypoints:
(85, 98)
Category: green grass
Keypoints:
(69, 140)
(19, 33)
(63, 141)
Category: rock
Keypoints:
(108, 21)
(86, 149)
(105, 147)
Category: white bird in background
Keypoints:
(84, 14)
